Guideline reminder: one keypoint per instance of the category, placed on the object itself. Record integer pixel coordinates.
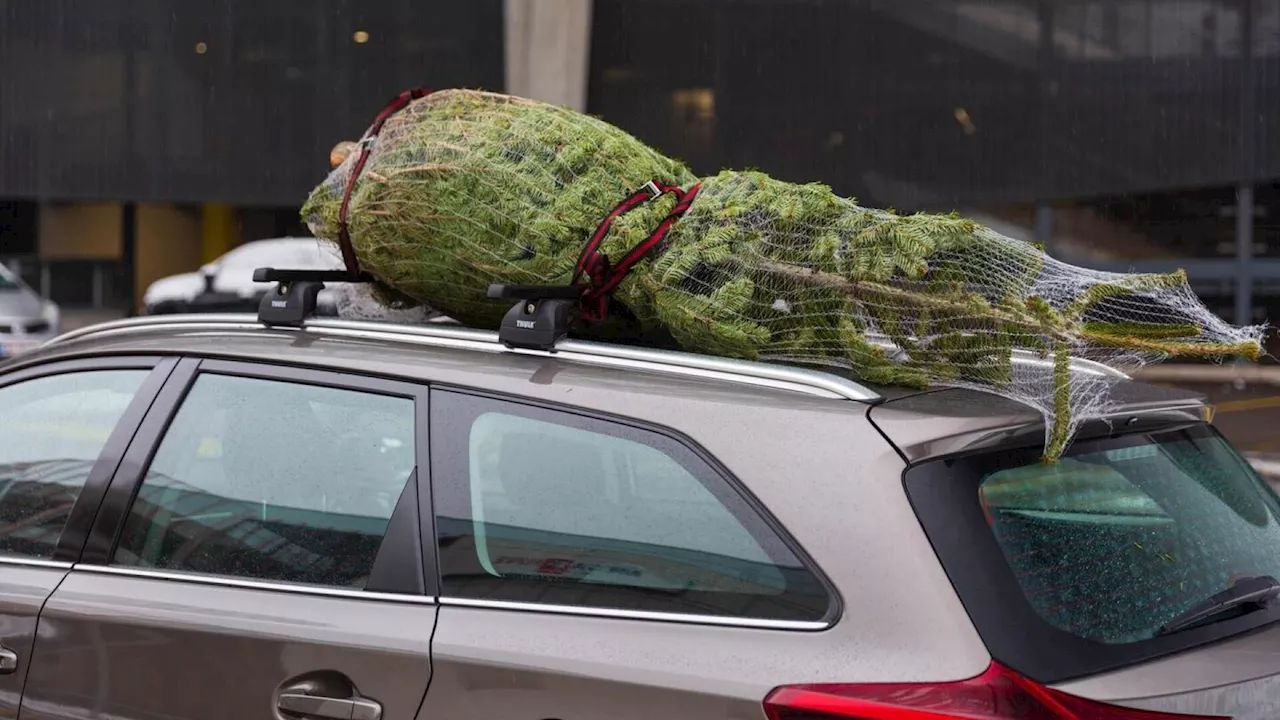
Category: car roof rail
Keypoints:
(537, 323)
(1025, 358)
(821, 383)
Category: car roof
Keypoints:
(956, 421)
(921, 423)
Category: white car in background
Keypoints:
(226, 284)
(26, 319)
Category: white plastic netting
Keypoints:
(464, 188)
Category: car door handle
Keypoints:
(8, 661)
(315, 706)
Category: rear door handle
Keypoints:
(315, 706)
(8, 661)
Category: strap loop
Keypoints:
(596, 265)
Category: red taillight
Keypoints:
(997, 694)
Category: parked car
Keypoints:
(26, 318)
(226, 284)
(210, 517)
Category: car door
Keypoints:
(63, 428)
(258, 555)
(595, 568)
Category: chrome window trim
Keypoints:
(34, 562)
(250, 584)
(567, 610)
(609, 613)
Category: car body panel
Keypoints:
(754, 431)
(156, 648)
(947, 421)
(489, 662)
(899, 618)
(1238, 679)
(24, 588)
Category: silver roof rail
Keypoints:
(442, 334)
(447, 335)
(1025, 358)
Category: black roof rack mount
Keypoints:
(538, 321)
(541, 317)
(293, 299)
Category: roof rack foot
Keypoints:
(289, 303)
(540, 319)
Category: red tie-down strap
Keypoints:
(366, 145)
(595, 264)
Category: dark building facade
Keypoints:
(224, 101)
(1123, 133)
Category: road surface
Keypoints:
(1249, 416)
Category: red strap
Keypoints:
(366, 144)
(604, 278)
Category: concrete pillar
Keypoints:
(548, 50)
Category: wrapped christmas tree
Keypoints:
(460, 189)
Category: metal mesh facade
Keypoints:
(235, 101)
(950, 103)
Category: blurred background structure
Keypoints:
(141, 139)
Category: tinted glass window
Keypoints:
(1111, 545)
(51, 432)
(1098, 561)
(540, 506)
(7, 280)
(273, 481)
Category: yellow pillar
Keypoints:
(166, 240)
(217, 231)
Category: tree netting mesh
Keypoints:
(463, 188)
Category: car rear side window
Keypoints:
(551, 507)
(1091, 562)
(51, 431)
(1097, 554)
(273, 480)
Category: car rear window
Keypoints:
(1078, 566)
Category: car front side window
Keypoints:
(52, 429)
(273, 481)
